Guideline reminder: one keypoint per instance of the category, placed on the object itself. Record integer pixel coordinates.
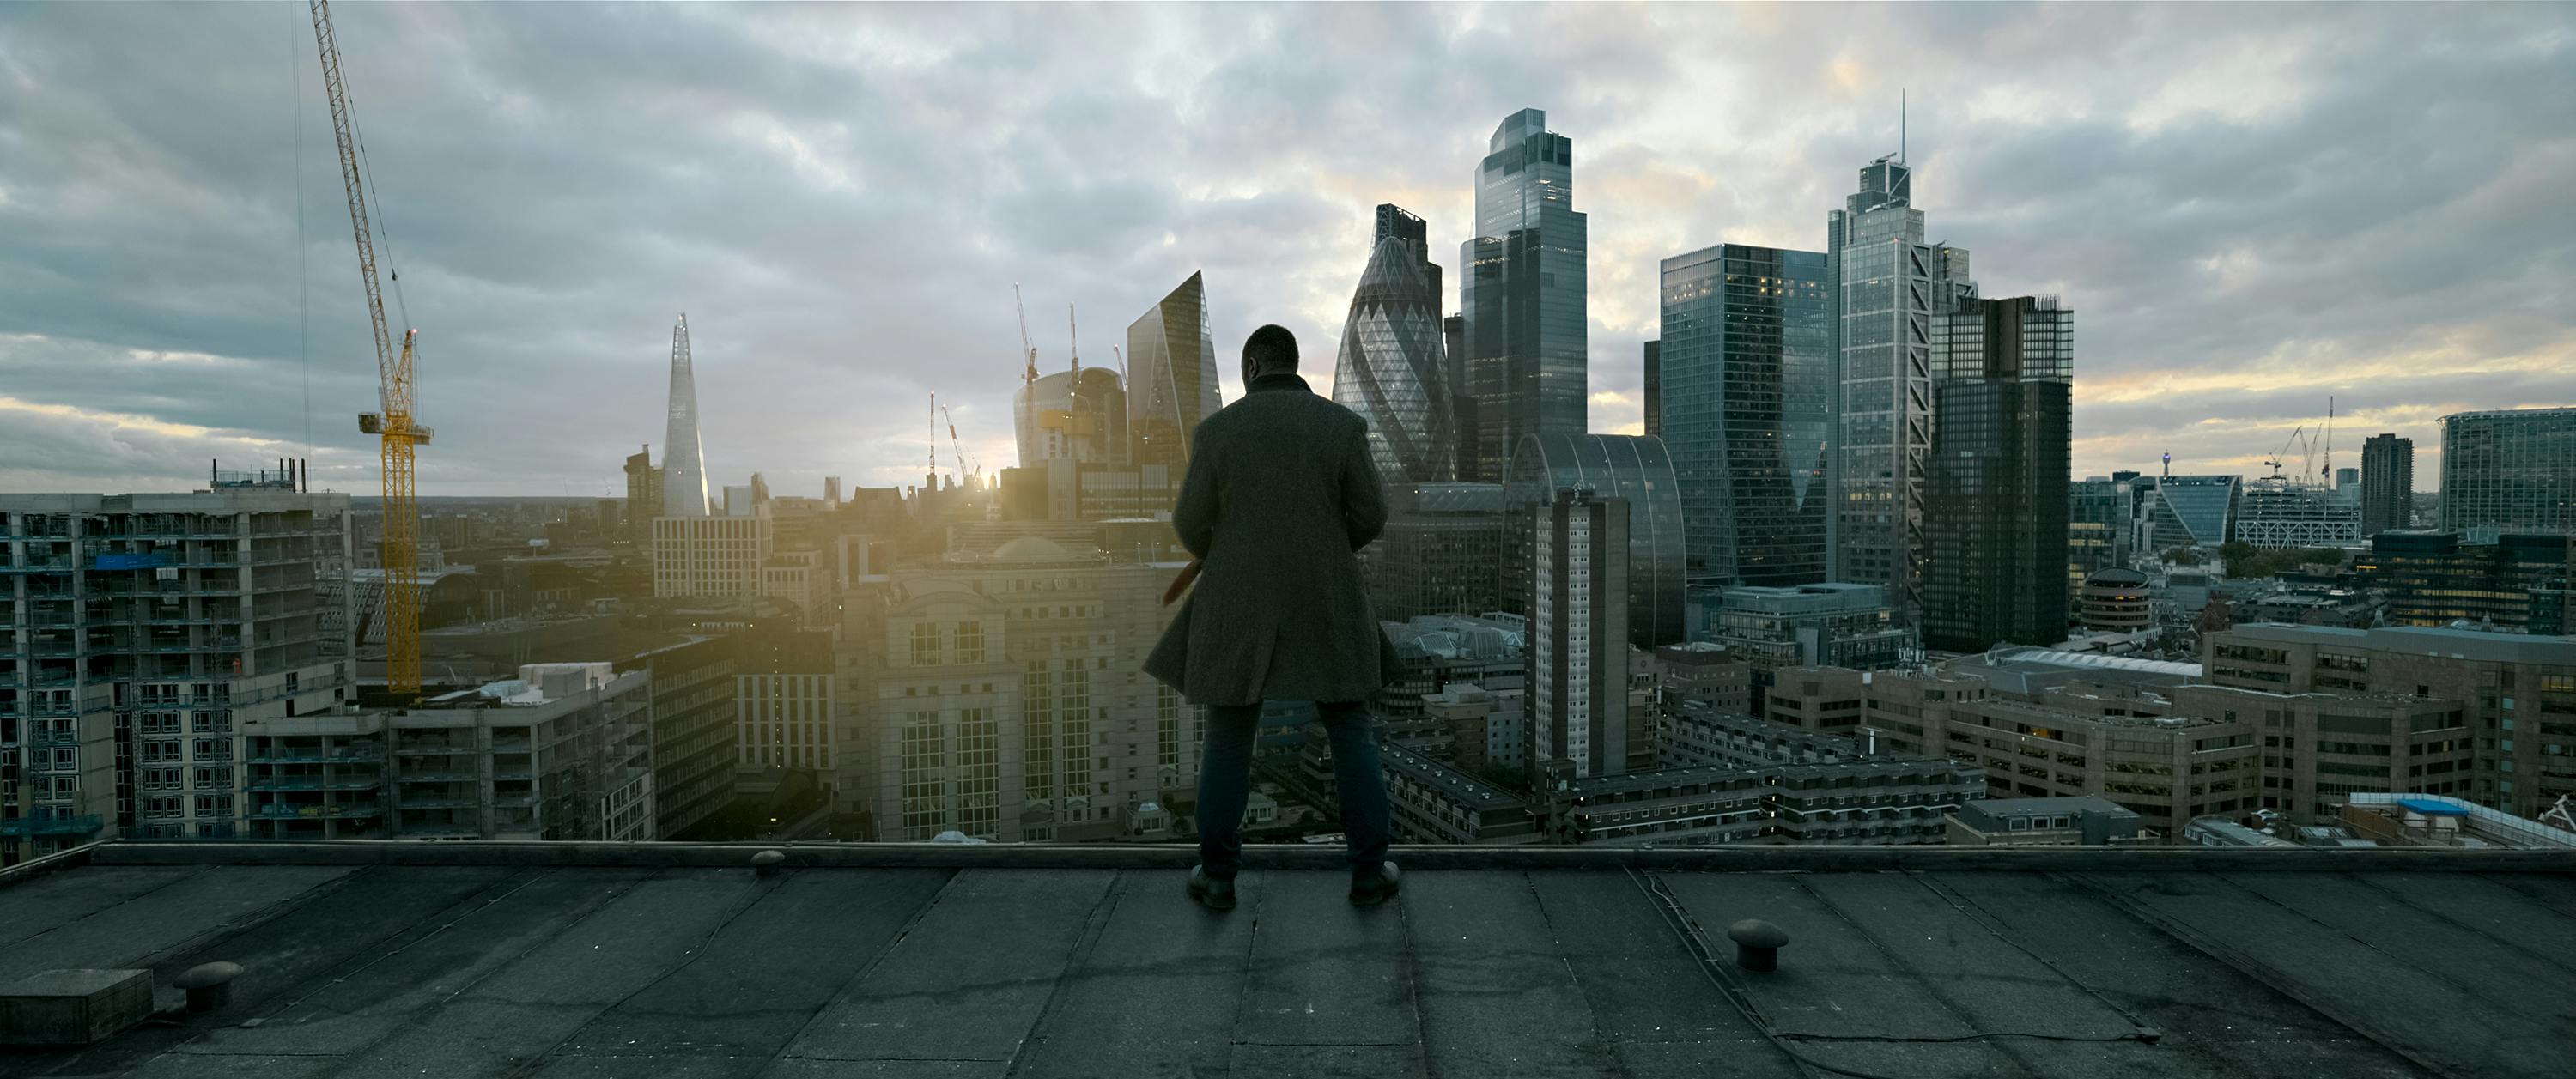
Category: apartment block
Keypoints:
(1434, 803)
(142, 632)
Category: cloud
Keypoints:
(2248, 208)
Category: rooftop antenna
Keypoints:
(1900, 125)
(1074, 340)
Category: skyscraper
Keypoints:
(1078, 414)
(2513, 471)
(1889, 284)
(1391, 369)
(1578, 699)
(2387, 483)
(684, 461)
(1996, 516)
(1742, 392)
(643, 494)
(1636, 471)
(1522, 293)
(1171, 363)
(1654, 421)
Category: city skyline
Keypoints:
(154, 320)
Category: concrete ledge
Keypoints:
(59, 860)
(1777, 859)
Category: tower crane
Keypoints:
(400, 436)
(2294, 439)
(1026, 349)
(973, 474)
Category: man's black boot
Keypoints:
(1212, 893)
(1372, 886)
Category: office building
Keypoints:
(2276, 513)
(2191, 511)
(2437, 578)
(1699, 675)
(2116, 600)
(1397, 223)
(1832, 624)
(1578, 634)
(1075, 415)
(1171, 364)
(785, 703)
(1889, 284)
(684, 460)
(2516, 693)
(710, 557)
(1521, 290)
(562, 752)
(1390, 370)
(995, 694)
(1442, 551)
(2319, 749)
(1654, 411)
(1632, 469)
(643, 494)
(1068, 490)
(2387, 484)
(2509, 471)
(150, 630)
(1995, 516)
(1742, 395)
(2099, 527)
(695, 728)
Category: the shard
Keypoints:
(684, 463)
(1392, 370)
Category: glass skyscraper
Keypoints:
(1995, 558)
(2387, 484)
(1392, 370)
(1888, 285)
(1171, 364)
(1521, 291)
(1627, 467)
(1742, 389)
(2510, 471)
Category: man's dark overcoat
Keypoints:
(1280, 496)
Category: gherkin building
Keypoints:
(1392, 370)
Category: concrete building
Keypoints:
(785, 703)
(2387, 484)
(643, 495)
(1077, 415)
(563, 752)
(2041, 822)
(802, 579)
(2413, 819)
(1889, 285)
(1522, 295)
(695, 735)
(1699, 674)
(1000, 695)
(1871, 802)
(1578, 636)
(2319, 749)
(2509, 471)
(148, 631)
(2516, 693)
(2116, 601)
(2437, 578)
(1743, 399)
(1069, 490)
(710, 557)
(1634, 470)
(1435, 803)
(1442, 551)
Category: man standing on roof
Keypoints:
(1279, 498)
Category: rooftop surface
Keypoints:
(677, 960)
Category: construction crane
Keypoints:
(2294, 439)
(1029, 351)
(972, 473)
(401, 438)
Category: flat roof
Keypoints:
(472, 959)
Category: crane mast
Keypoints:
(400, 437)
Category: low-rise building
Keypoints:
(2041, 822)
(1434, 803)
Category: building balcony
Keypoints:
(338, 783)
(52, 825)
(409, 803)
(317, 811)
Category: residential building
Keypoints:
(2387, 484)
(1873, 802)
(1578, 634)
(562, 752)
(1743, 401)
(1698, 734)
(2083, 821)
(1435, 803)
(1889, 283)
(1521, 291)
(1000, 695)
(2509, 471)
(1835, 624)
(710, 557)
(684, 463)
(1634, 470)
(1994, 557)
(1390, 370)
(1171, 362)
(1442, 551)
(2517, 693)
(150, 629)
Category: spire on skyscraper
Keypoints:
(684, 464)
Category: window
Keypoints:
(970, 642)
(925, 644)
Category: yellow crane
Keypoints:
(401, 437)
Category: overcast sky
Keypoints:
(2248, 207)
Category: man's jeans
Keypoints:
(1225, 776)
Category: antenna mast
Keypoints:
(1900, 125)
